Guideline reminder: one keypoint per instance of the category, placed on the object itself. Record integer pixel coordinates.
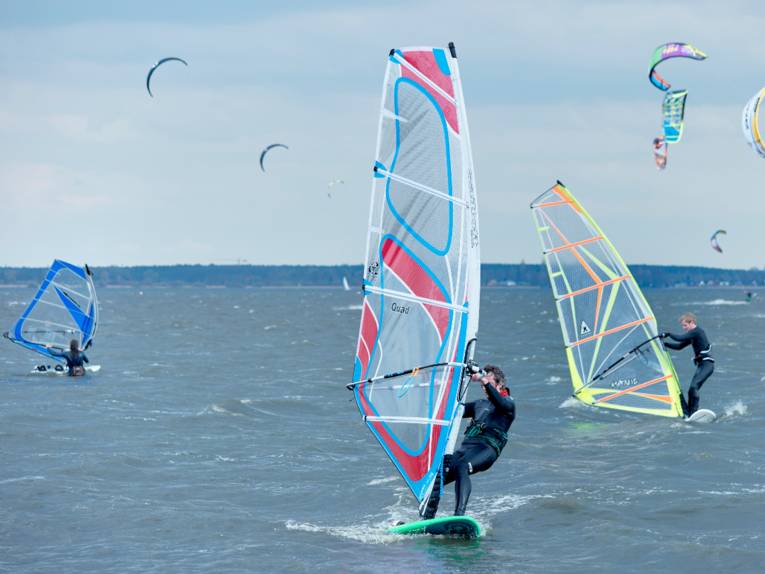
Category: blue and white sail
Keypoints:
(65, 307)
(422, 270)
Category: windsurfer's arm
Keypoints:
(505, 404)
(85, 357)
(54, 352)
(682, 340)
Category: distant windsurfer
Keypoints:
(75, 358)
(705, 364)
(484, 440)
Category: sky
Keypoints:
(94, 170)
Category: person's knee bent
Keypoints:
(462, 467)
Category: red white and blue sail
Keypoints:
(422, 269)
(65, 307)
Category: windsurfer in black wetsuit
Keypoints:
(484, 440)
(705, 364)
(75, 359)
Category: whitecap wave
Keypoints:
(738, 408)
(572, 403)
(348, 308)
(22, 479)
(366, 533)
(376, 481)
(713, 303)
(486, 507)
(232, 407)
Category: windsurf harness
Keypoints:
(697, 337)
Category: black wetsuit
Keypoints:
(705, 364)
(75, 361)
(484, 440)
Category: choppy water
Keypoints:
(219, 437)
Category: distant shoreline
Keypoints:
(492, 274)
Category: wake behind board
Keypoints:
(702, 416)
(457, 526)
(60, 370)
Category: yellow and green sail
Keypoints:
(609, 331)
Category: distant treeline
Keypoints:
(332, 275)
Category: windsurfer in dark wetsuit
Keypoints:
(484, 440)
(705, 364)
(75, 359)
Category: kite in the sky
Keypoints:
(673, 106)
(713, 240)
(157, 65)
(667, 51)
(673, 113)
(266, 150)
(750, 123)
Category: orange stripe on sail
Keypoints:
(597, 309)
(575, 244)
(552, 203)
(587, 268)
(633, 389)
(563, 192)
(662, 398)
(592, 287)
(614, 330)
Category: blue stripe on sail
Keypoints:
(420, 486)
(443, 64)
(37, 348)
(447, 152)
(88, 325)
(451, 408)
(58, 265)
(83, 322)
(80, 318)
(380, 323)
(399, 53)
(378, 165)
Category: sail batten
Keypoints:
(602, 313)
(423, 188)
(415, 298)
(422, 268)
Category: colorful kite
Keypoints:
(667, 51)
(750, 123)
(673, 106)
